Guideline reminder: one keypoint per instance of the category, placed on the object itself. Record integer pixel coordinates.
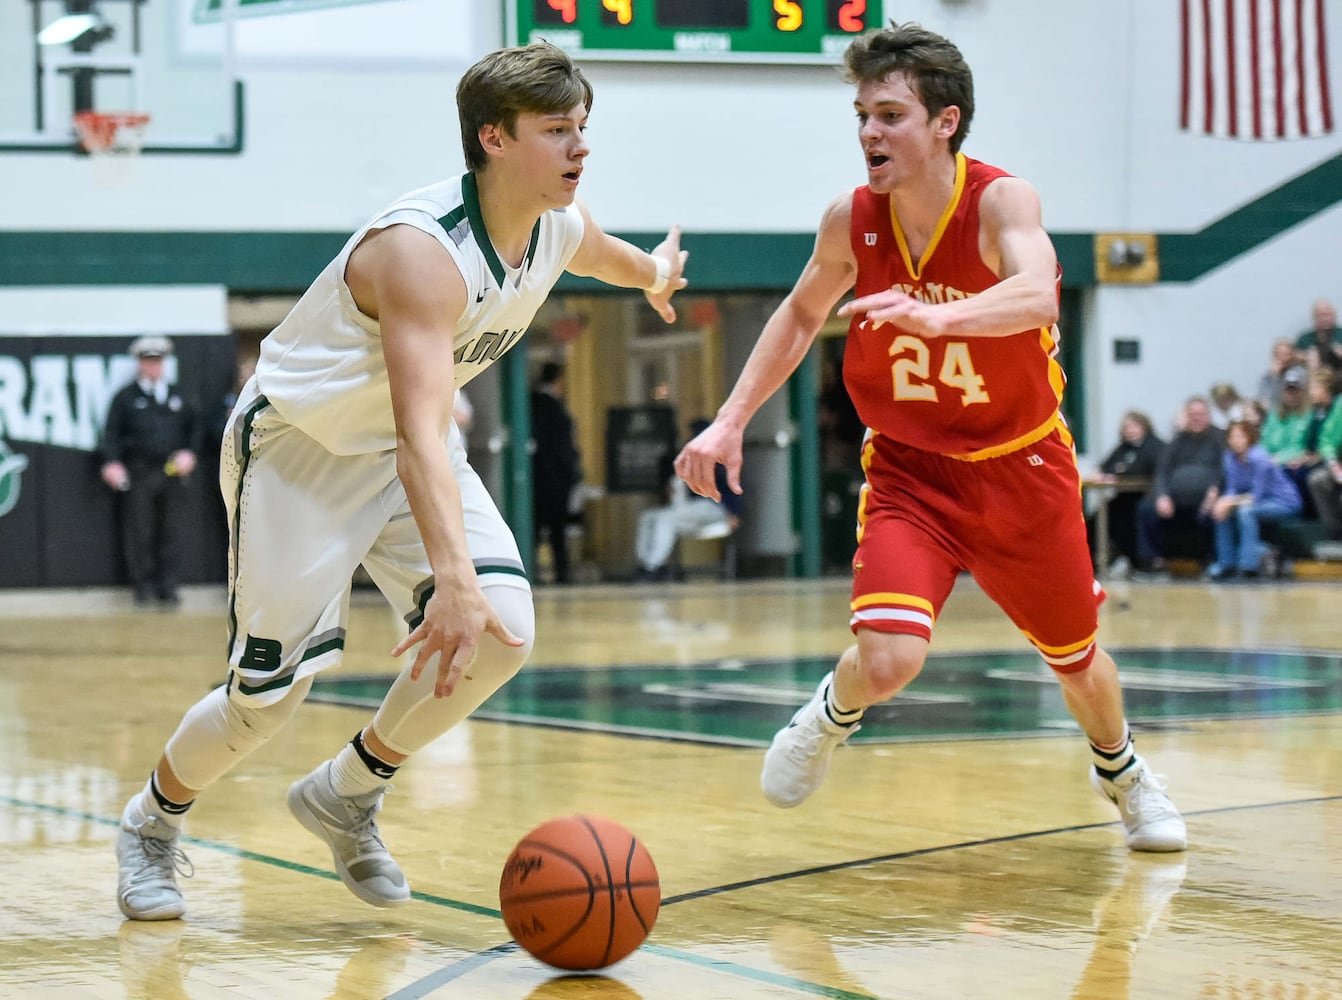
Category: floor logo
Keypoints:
(11, 468)
(957, 696)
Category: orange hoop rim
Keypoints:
(98, 129)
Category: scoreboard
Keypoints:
(743, 31)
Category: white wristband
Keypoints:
(663, 275)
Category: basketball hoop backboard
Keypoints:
(124, 56)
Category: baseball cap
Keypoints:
(150, 347)
(1294, 376)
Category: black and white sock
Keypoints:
(356, 771)
(152, 802)
(837, 713)
(1112, 761)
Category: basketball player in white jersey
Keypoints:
(342, 451)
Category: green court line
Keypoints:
(421, 987)
(469, 964)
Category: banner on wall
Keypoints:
(57, 518)
(640, 447)
(1254, 69)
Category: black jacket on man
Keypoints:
(142, 434)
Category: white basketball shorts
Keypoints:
(301, 520)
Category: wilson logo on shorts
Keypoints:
(1035, 460)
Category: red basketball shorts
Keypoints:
(1015, 522)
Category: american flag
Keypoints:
(1254, 69)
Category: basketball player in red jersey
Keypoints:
(951, 361)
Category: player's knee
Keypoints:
(887, 667)
(517, 613)
(250, 725)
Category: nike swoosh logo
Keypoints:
(480, 297)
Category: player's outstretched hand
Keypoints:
(454, 620)
(669, 250)
(895, 308)
(718, 444)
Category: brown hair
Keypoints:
(936, 70)
(539, 79)
(1249, 428)
(1137, 417)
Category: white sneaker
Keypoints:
(1149, 817)
(798, 758)
(349, 827)
(148, 860)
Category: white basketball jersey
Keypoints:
(322, 368)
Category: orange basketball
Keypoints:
(579, 892)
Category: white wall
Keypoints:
(1080, 98)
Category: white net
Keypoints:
(113, 140)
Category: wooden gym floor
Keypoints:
(956, 851)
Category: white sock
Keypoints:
(350, 777)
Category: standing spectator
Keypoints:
(554, 465)
(1284, 358)
(1254, 491)
(1135, 457)
(1321, 345)
(1188, 470)
(149, 448)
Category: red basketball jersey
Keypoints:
(967, 397)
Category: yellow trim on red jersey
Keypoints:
(887, 599)
(951, 206)
(1075, 647)
(1015, 444)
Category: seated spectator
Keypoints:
(1323, 430)
(1283, 431)
(1188, 470)
(1325, 490)
(659, 528)
(1254, 491)
(1226, 405)
(1321, 345)
(1255, 411)
(1134, 458)
(1284, 358)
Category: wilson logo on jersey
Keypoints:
(870, 238)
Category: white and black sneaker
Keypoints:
(798, 758)
(1151, 821)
